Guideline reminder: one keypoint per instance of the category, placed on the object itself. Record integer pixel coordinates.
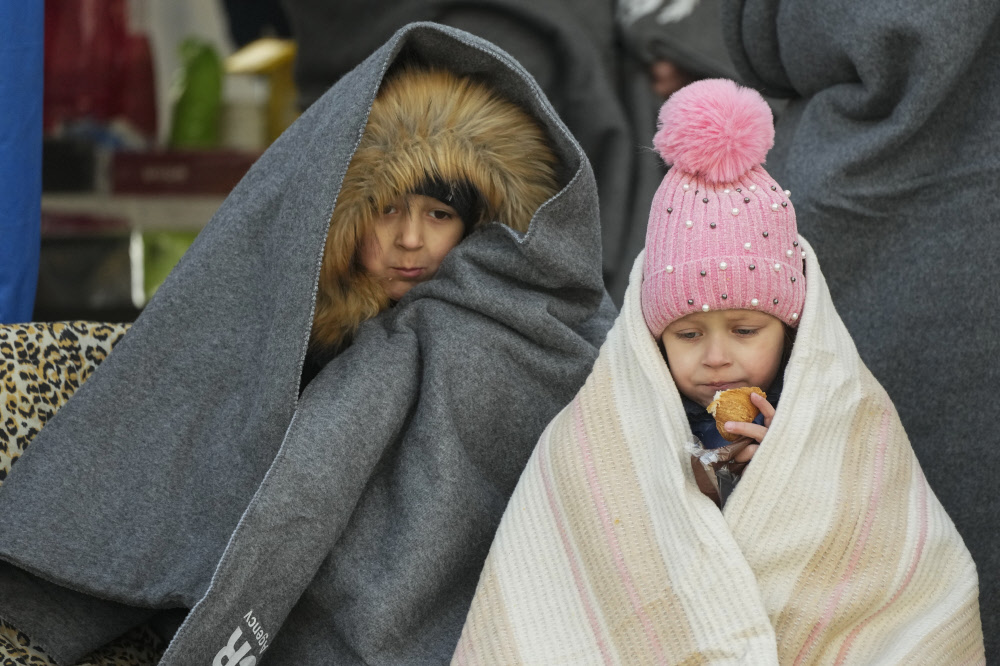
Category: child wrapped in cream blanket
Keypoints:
(832, 549)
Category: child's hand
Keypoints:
(741, 451)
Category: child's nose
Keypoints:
(716, 353)
(411, 232)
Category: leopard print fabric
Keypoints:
(138, 647)
(41, 366)
(16, 649)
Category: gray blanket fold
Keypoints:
(889, 147)
(189, 473)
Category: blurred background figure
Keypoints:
(889, 145)
(21, 43)
(679, 41)
(669, 43)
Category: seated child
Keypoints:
(723, 284)
(441, 155)
(426, 238)
(832, 548)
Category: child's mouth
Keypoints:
(408, 273)
(723, 386)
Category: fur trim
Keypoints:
(427, 123)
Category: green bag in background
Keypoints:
(198, 97)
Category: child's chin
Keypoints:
(398, 289)
(703, 400)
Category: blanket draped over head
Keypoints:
(188, 482)
(889, 145)
(832, 549)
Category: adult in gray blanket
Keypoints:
(890, 145)
(190, 485)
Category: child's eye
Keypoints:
(687, 335)
(390, 210)
(439, 214)
(746, 331)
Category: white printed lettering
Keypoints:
(258, 630)
(230, 656)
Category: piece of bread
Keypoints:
(733, 405)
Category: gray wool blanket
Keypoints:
(187, 482)
(890, 145)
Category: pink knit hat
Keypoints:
(721, 232)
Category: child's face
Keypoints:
(409, 241)
(723, 349)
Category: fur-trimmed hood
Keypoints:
(428, 124)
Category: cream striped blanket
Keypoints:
(832, 549)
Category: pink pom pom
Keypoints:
(715, 129)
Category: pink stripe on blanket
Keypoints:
(595, 627)
(921, 540)
(859, 545)
(597, 496)
(460, 658)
